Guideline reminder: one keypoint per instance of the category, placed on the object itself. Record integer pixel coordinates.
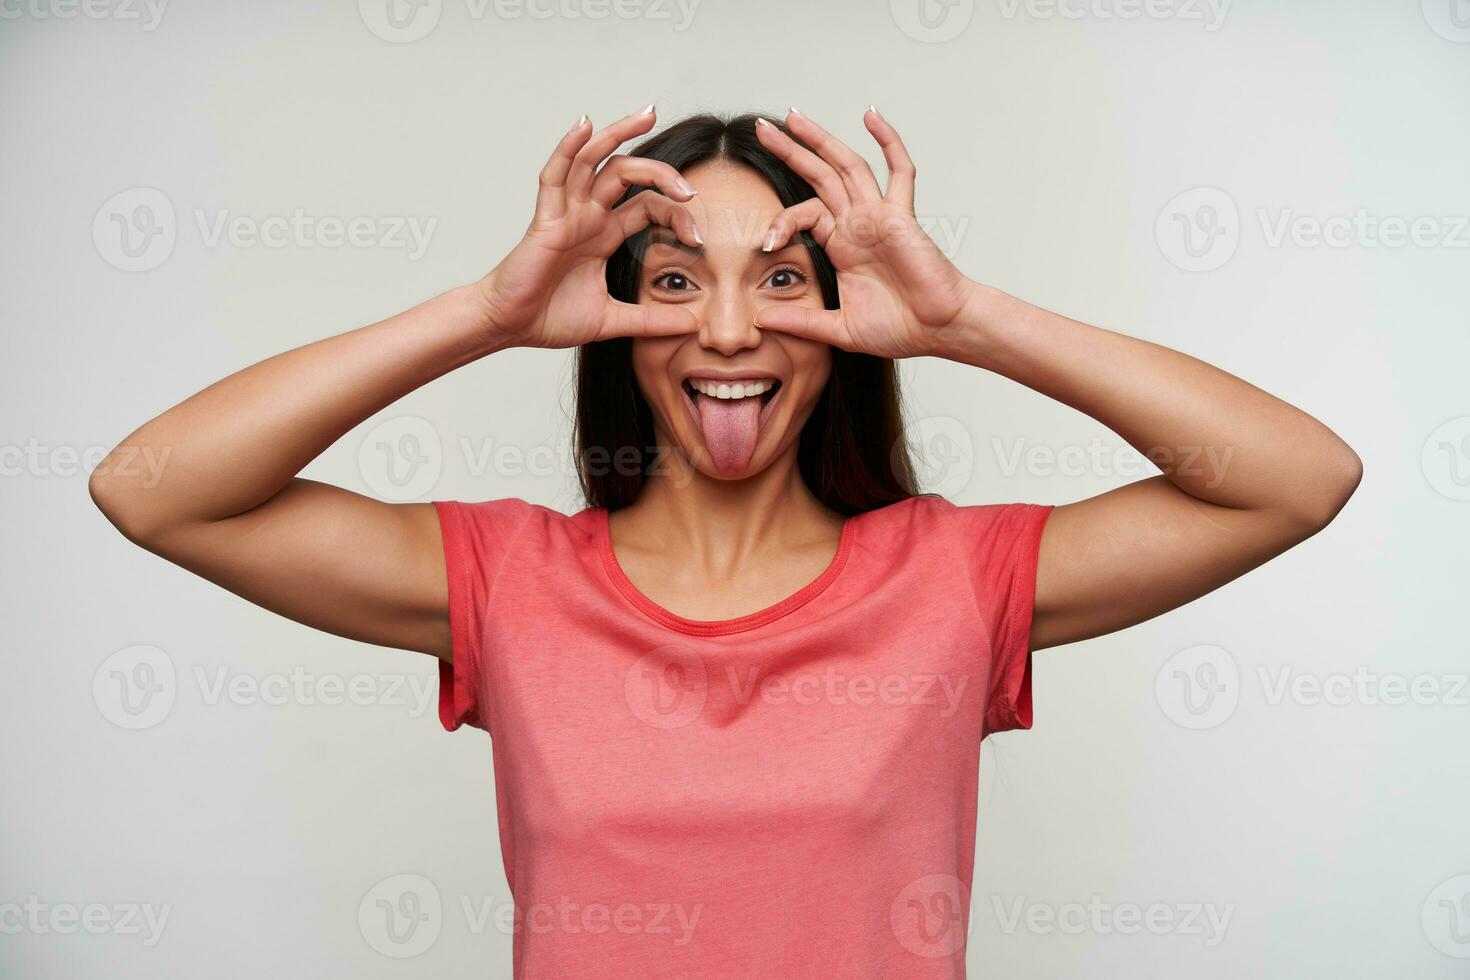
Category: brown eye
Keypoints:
(673, 282)
(786, 278)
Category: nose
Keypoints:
(729, 327)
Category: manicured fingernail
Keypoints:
(698, 238)
(581, 121)
(647, 110)
(685, 186)
(793, 111)
(763, 121)
(874, 110)
(770, 241)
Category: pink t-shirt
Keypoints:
(787, 794)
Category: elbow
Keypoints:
(119, 502)
(1344, 475)
(1333, 482)
(110, 499)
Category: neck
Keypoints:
(720, 522)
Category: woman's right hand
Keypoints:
(551, 290)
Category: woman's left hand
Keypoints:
(899, 293)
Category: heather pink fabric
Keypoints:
(787, 794)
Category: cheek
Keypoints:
(814, 365)
(651, 357)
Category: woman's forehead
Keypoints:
(731, 179)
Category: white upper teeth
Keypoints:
(736, 389)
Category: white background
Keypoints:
(1052, 145)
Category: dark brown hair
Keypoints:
(852, 452)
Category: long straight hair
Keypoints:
(852, 453)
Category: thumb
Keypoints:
(645, 320)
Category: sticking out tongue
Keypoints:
(729, 430)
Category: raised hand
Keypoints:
(898, 291)
(551, 290)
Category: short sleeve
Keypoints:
(1003, 542)
(476, 540)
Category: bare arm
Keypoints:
(1245, 475)
(229, 506)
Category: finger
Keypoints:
(856, 175)
(812, 168)
(551, 182)
(826, 326)
(652, 208)
(896, 155)
(590, 157)
(810, 215)
(622, 172)
(646, 320)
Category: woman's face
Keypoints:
(732, 398)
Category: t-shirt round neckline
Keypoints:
(717, 627)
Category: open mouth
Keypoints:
(763, 388)
(730, 414)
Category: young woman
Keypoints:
(737, 701)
